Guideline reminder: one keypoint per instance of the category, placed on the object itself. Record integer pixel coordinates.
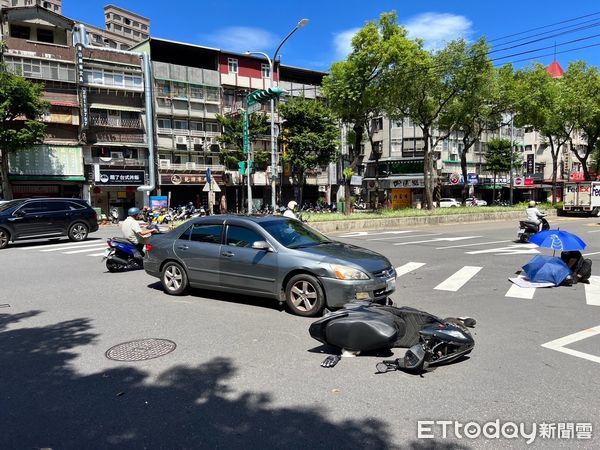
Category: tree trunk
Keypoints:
(6, 193)
(428, 170)
(463, 169)
(494, 189)
(358, 136)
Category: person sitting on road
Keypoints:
(534, 214)
(290, 211)
(132, 231)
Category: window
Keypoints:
(33, 207)
(164, 123)
(57, 206)
(75, 206)
(266, 70)
(212, 127)
(179, 90)
(116, 17)
(196, 126)
(164, 102)
(117, 27)
(207, 233)
(45, 35)
(126, 30)
(377, 124)
(232, 65)
(186, 234)
(126, 21)
(181, 124)
(242, 237)
(213, 94)
(19, 32)
(163, 88)
(196, 92)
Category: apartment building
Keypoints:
(50, 5)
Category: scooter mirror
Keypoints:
(414, 359)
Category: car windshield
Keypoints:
(293, 233)
(10, 204)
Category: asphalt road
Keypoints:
(247, 374)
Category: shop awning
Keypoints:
(120, 144)
(115, 107)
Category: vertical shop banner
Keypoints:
(530, 164)
(401, 198)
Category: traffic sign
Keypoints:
(254, 107)
(246, 132)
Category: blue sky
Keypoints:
(259, 26)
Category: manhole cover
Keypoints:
(140, 350)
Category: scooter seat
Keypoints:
(121, 240)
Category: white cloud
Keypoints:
(241, 39)
(436, 29)
(342, 42)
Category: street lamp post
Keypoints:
(271, 62)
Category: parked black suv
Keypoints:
(36, 218)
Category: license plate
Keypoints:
(107, 252)
(521, 231)
(390, 284)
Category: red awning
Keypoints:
(63, 103)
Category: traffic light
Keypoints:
(263, 95)
(242, 167)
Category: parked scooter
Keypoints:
(528, 228)
(122, 255)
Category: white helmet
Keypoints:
(292, 204)
(531, 204)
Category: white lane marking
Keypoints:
(407, 268)
(401, 237)
(472, 245)
(374, 233)
(97, 254)
(520, 292)
(458, 280)
(70, 247)
(517, 249)
(63, 244)
(451, 239)
(594, 231)
(592, 291)
(559, 344)
(94, 249)
(355, 234)
(590, 254)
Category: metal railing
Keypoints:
(125, 162)
(115, 122)
(190, 167)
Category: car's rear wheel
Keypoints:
(78, 232)
(304, 295)
(174, 279)
(4, 238)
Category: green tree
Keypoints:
(353, 87)
(311, 134)
(540, 104)
(479, 109)
(582, 105)
(498, 158)
(423, 86)
(232, 139)
(21, 104)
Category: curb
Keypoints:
(394, 222)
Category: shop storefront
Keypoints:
(47, 171)
(117, 188)
(183, 188)
(404, 191)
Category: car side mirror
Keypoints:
(19, 213)
(262, 245)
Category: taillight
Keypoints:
(148, 247)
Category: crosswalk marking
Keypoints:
(97, 254)
(516, 249)
(373, 233)
(458, 280)
(407, 268)
(520, 292)
(400, 237)
(58, 248)
(472, 245)
(449, 239)
(85, 250)
(592, 291)
(590, 254)
(63, 244)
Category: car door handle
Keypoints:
(182, 247)
(228, 254)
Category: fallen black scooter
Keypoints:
(362, 326)
(528, 229)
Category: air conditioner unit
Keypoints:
(116, 155)
(198, 141)
(190, 165)
(181, 140)
(164, 163)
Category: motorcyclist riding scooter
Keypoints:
(535, 222)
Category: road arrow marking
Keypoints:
(407, 268)
(560, 344)
(472, 245)
(458, 280)
(451, 239)
(517, 249)
(592, 291)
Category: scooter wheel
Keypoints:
(524, 238)
(113, 266)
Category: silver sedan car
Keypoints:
(269, 256)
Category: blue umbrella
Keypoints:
(549, 269)
(557, 240)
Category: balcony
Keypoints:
(114, 122)
(164, 165)
(120, 162)
(121, 138)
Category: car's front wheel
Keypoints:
(4, 238)
(78, 232)
(304, 295)
(174, 279)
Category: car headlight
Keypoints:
(348, 273)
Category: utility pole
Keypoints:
(512, 130)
